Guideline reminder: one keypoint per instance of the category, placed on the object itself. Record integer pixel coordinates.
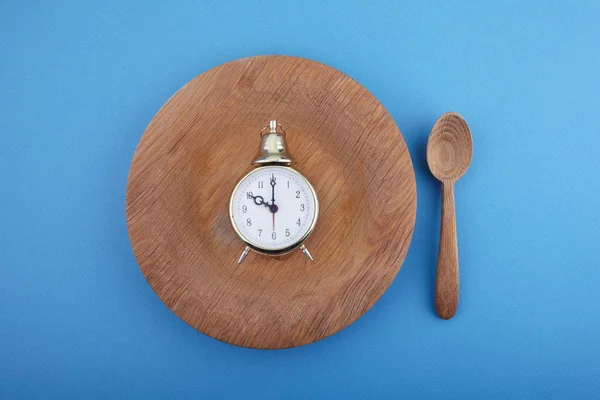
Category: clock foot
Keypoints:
(244, 254)
(306, 252)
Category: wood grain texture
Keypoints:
(202, 142)
(446, 285)
(449, 152)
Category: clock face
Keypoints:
(273, 208)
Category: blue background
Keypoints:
(79, 82)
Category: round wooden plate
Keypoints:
(202, 142)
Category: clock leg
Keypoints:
(306, 252)
(244, 254)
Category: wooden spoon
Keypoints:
(449, 151)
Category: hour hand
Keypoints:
(258, 200)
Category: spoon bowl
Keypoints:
(449, 152)
(449, 148)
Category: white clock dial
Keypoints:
(273, 208)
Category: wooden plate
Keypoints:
(198, 146)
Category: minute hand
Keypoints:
(273, 183)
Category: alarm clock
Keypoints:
(273, 208)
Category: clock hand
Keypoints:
(273, 207)
(259, 201)
(273, 183)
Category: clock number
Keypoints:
(244, 209)
(259, 232)
(298, 222)
(261, 184)
(249, 195)
(248, 222)
(274, 235)
(287, 232)
(302, 208)
(297, 194)
(288, 184)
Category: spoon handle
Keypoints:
(446, 291)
